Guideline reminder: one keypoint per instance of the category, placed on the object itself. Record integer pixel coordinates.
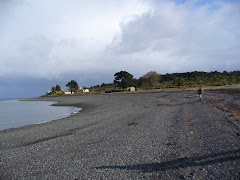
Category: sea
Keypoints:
(15, 113)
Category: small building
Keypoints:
(131, 89)
(86, 90)
(68, 92)
(83, 90)
(80, 89)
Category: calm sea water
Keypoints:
(15, 113)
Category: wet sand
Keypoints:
(164, 135)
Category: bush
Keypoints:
(114, 91)
(59, 93)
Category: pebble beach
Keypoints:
(161, 135)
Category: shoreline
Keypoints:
(33, 115)
(121, 135)
(53, 127)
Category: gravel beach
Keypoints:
(162, 135)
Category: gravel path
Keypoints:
(165, 135)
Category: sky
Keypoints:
(49, 42)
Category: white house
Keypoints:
(131, 89)
(80, 89)
(83, 90)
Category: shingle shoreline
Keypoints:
(127, 136)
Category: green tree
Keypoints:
(73, 86)
(53, 90)
(58, 88)
(123, 79)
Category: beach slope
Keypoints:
(163, 135)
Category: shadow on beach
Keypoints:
(181, 162)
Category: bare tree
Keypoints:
(151, 79)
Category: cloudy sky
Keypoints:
(49, 42)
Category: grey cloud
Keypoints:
(146, 32)
(26, 86)
(203, 39)
(56, 43)
(29, 57)
(39, 56)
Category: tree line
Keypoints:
(196, 78)
(72, 85)
(152, 80)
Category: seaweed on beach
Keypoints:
(237, 133)
(189, 119)
(219, 106)
(238, 120)
(235, 115)
(163, 105)
(133, 123)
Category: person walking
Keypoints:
(200, 92)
